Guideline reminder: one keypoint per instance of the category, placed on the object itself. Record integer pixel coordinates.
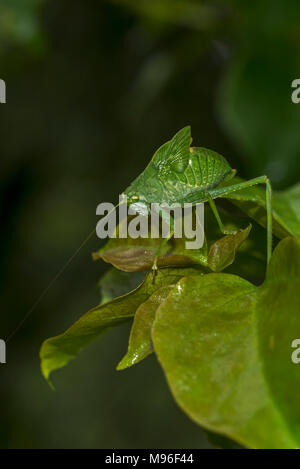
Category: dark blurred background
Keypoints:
(93, 88)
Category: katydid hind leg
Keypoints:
(217, 216)
(269, 219)
(223, 191)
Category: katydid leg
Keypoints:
(166, 217)
(223, 191)
(158, 251)
(217, 216)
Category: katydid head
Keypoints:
(136, 199)
(134, 191)
(146, 188)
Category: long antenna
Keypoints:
(55, 278)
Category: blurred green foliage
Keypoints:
(255, 99)
(92, 89)
(190, 13)
(19, 21)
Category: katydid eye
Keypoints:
(135, 197)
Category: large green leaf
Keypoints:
(58, 351)
(140, 341)
(225, 346)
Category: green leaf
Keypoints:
(250, 262)
(225, 346)
(286, 207)
(140, 342)
(134, 255)
(222, 253)
(290, 200)
(131, 255)
(116, 283)
(220, 441)
(58, 351)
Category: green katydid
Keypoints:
(182, 174)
